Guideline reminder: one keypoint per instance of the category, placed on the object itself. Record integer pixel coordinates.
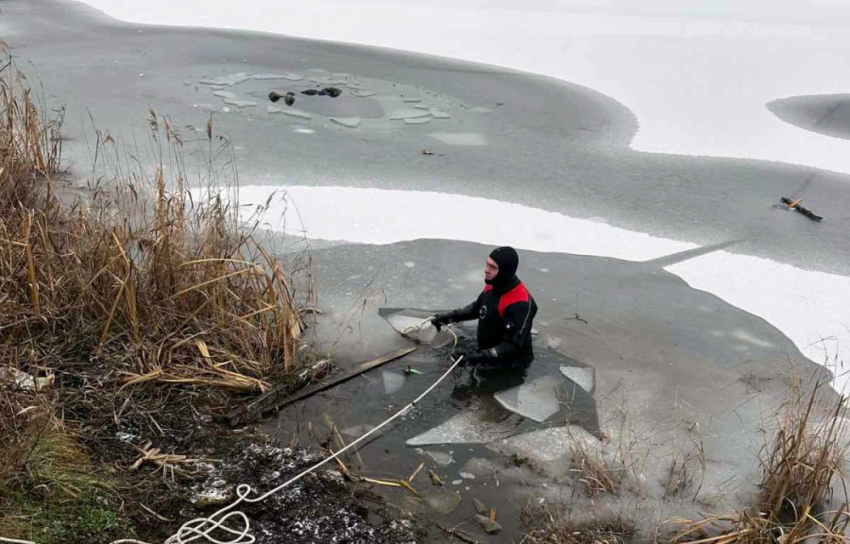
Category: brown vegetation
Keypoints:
(142, 304)
(799, 466)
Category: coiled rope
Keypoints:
(201, 529)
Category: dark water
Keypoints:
(366, 401)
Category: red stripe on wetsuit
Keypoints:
(517, 294)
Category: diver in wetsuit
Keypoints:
(505, 312)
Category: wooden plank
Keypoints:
(279, 397)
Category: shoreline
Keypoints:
(572, 155)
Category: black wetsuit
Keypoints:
(505, 315)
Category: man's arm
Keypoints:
(467, 313)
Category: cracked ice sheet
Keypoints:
(466, 428)
(459, 138)
(229, 80)
(583, 377)
(537, 400)
(240, 103)
(547, 445)
(408, 113)
(291, 112)
(348, 122)
(401, 323)
(440, 457)
(288, 75)
(685, 115)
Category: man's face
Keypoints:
(491, 270)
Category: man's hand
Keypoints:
(441, 319)
(469, 356)
(458, 353)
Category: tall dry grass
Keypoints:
(135, 286)
(559, 525)
(800, 464)
(137, 282)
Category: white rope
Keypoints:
(417, 328)
(201, 528)
(14, 541)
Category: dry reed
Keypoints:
(139, 282)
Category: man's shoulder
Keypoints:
(518, 293)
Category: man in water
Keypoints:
(505, 312)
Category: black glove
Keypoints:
(476, 357)
(459, 352)
(469, 356)
(441, 319)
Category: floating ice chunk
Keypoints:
(305, 131)
(240, 103)
(481, 110)
(411, 100)
(465, 428)
(419, 121)
(441, 458)
(392, 382)
(408, 113)
(542, 446)
(401, 322)
(583, 377)
(439, 114)
(537, 400)
(348, 122)
(467, 476)
(226, 94)
(412, 327)
(288, 75)
(327, 81)
(292, 112)
(364, 94)
(459, 138)
(422, 107)
(229, 80)
(273, 109)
